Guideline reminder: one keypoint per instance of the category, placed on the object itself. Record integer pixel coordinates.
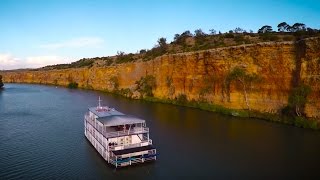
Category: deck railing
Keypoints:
(135, 130)
(128, 146)
(126, 132)
(118, 161)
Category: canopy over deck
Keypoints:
(111, 117)
(104, 111)
(116, 120)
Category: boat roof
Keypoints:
(116, 120)
(104, 111)
(111, 117)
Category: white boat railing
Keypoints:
(126, 132)
(118, 161)
(135, 130)
(128, 146)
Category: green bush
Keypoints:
(288, 38)
(114, 83)
(73, 85)
(125, 92)
(182, 99)
(229, 35)
(239, 39)
(288, 111)
(123, 58)
(269, 37)
(305, 123)
(82, 63)
(1, 83)
(108, 61)
(298, 99)
(145, 85)
(153, 53)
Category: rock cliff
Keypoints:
(203, 75)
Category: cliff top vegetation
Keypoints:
(199, 40)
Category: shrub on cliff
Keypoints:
(114, 82)
(181, 99)
(85, 62)
(125, 92)
(180, 39)
(268, 37)
(145, 85)
(229, 35)
(123, 58)
(200, 37)
(297, 100)
(73, 85)
(305, 123)
(1, 83)
(154, 52)
(245, 81)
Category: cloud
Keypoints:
(40, 61)
(8, 61)
(75, 43)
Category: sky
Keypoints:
(35, 33)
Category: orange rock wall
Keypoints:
(193, 72)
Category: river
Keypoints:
(42, 137)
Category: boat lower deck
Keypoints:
(131, 156)
(133, 150)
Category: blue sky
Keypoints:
(35, 33)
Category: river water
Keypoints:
(41, 137)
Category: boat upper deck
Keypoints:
(104, 111)
(111, 117)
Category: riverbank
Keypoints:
(302, 122)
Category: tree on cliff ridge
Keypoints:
(162, 42)
(238, 30)
(298, 27)
(283, 27)
(181, 38)
(199, 33)
(265, 29)
(1, 83)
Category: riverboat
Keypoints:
(121, 139)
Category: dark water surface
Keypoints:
(41, 137)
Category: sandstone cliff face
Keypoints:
(203, 75)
